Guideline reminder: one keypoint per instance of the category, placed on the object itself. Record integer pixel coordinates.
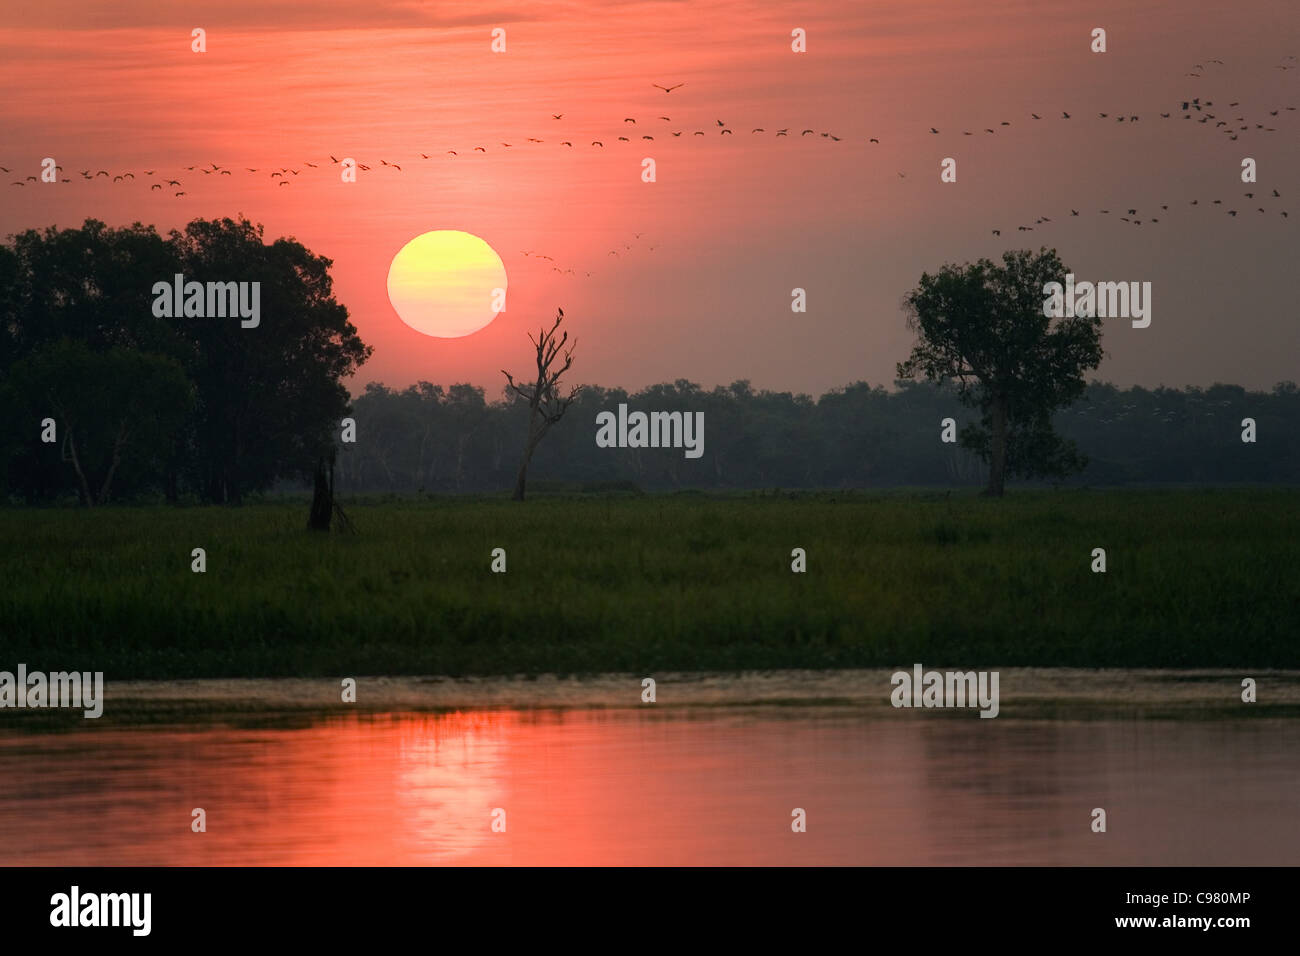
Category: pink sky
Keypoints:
(736, 221)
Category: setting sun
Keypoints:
(447, 283)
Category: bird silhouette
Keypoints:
(1064, 115)
(668, 89)
(997, 232)
(630, 120)
(155, 186)
(557, 116)
(597, 142)
(480, 149)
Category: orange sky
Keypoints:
(736, 221)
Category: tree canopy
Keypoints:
(982, 328)
(250, 406)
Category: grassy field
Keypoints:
(638, 584)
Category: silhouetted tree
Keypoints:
(982, 327)
(545, 404)
(113, 411)
(267, 400)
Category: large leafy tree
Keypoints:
(113, 411)
(267, 400)
(270, 397)
(982, 328)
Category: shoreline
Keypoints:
(1027, 693)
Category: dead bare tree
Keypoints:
(545, 404)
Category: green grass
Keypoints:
(1195, 578)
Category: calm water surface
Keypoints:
(644, 786)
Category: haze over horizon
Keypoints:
(735, 221)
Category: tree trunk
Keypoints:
(322, 500)
(70, 446)
(534, 436)
(998, 448)
(520, 480)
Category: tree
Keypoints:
(267, 399)
(270, 397)
(983, 329)
(114, 411)
(545, 405)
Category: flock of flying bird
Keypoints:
(1193, 109)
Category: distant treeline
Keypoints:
(429, 439)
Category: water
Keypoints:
(711, 779)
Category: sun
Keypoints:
(447, 283)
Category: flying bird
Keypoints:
(557, 116)
(667, 89)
